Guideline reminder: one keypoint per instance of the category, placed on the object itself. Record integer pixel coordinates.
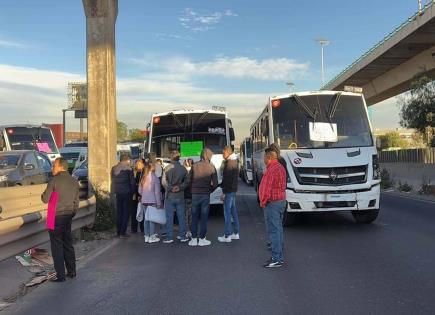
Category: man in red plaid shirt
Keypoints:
(273, 201)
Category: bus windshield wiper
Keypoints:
(334, 106)
(201, 118)
(304, 106)
(177, 121)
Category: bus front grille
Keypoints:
(331, 176)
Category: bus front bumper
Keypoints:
(324, 201)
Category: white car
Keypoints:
(75, 156)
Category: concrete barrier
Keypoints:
(23, 216)
(414, 174)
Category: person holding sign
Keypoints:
(67, 190)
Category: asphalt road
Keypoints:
(333, 266)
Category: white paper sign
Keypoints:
(320, 131)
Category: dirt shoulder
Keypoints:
(22, 274)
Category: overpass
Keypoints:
(388, 68)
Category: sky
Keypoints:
(188, 54)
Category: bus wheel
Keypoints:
(289, 218)
(365, 216)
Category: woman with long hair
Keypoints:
(138, 172)
(149, 190)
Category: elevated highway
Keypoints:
(387, 69)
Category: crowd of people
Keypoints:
(177, 189)
(185, 190)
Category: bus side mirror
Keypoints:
(232, 136)
(378, 142)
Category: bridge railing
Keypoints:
(381, 42)
(422, 156)
(23, 216)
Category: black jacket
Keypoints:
(123, 179)
(68, 191)
(203, 177)
(230, 176)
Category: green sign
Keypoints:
(193, 148)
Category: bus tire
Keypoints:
(289, 218)
(365, 216)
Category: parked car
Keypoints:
(24, 167)
(81, 175)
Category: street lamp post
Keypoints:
(290, 85)
(322, 42)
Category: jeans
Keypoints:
(150, 228)
(188, 213)
(266, 227)
(275, 212)
(230, 214)
(123, 209)
(62, 248)
(200, 209)
(177, 205)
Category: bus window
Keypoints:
(31, 138)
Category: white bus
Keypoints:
(246, 161)
(326, 141)
(189, 131)
(28, 137)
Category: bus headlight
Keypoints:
(376, 167)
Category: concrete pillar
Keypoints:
(100, 43)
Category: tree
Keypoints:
(392, 139)
(122, 130)
(137, 135)
(418, 108)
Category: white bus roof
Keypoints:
(23, 125)
(190, 111)
(315, 93)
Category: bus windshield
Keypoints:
(292, 118)
(31, 138)
(172, 129)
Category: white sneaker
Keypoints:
(203, 242)
(153, 239)
(147, 238)
(166, 241)
(189, 234)
(193, 242)
(235, 236)
(224, 239)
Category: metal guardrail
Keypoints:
(422, 156)
(23, 216)
(381, 42)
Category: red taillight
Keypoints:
(156, 120)
(10, 131)
(276, 103)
